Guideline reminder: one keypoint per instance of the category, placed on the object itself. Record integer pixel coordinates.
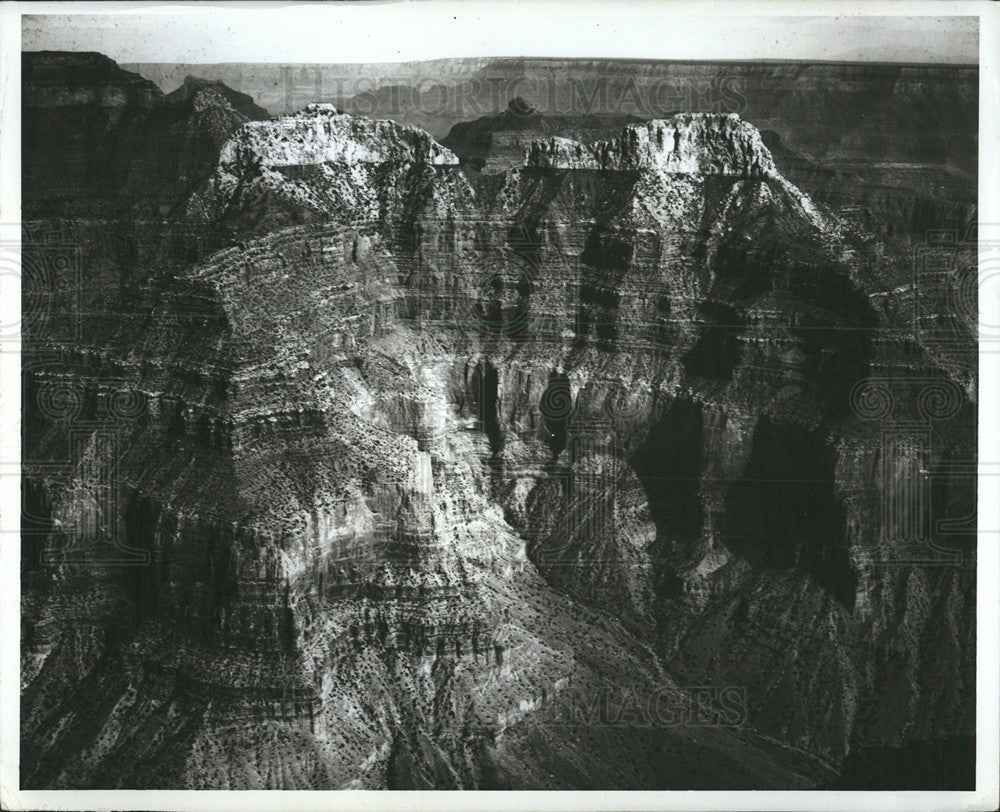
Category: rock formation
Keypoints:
(894, 143)
(359, 471)
(497, 143)
(888, 112)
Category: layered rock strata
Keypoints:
(373, 476)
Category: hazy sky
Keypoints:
(392, 32)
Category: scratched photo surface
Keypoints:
(498, 423)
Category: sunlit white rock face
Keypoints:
(321, 135)
(692, 143)
(326, 165)
(560, 153)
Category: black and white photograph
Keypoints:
(589, 399)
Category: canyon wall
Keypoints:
(623, 467)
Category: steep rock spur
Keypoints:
(546, 479)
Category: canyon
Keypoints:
(565, 452)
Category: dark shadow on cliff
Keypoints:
(783, 512)
(485, 402)
(716, 352)
(141, 516)
(668, 465)
(556, 407)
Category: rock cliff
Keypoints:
(363, 473)
(98, 132)
(497, 143)
(688, 143)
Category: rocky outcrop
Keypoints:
(899, 202)
(405, 478)
(104, 139)
(693, 144)
(200, 92)
(560, 153)
(494, 144)
(320, 136)
(70, 102)
(690, 144)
